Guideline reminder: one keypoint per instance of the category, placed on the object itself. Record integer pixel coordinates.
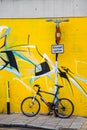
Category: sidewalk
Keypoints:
(44, 122)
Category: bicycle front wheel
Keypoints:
(30, 106)
(65, 108)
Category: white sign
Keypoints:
(57, 48)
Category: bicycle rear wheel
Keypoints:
(65, 108)
(30, 106)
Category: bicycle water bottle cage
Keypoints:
(42, 68)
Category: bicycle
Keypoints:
(30, 106)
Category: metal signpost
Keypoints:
(57, 49)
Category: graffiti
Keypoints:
(8, 62)
(68, 74)
(6, 56)
(8, 59)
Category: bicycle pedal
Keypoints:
(50, 113)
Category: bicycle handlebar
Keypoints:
(37, 85)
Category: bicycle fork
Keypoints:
(32, 103)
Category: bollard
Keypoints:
(8, 98)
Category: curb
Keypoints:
(25, 126)
(33, 127)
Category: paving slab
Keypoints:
(43, 122)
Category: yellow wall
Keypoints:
(74, 38)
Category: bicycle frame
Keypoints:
(42, 98)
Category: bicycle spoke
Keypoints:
(30, 107)
(65, 108)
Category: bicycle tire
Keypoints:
(30, 106)
(65, 108)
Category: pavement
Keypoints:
(43, 122)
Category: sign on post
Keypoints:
(57, 48)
